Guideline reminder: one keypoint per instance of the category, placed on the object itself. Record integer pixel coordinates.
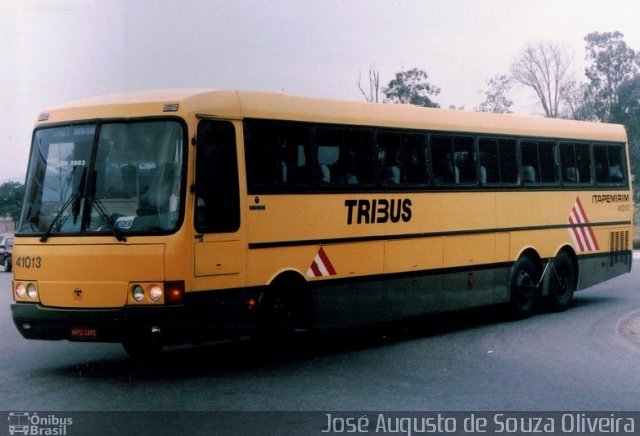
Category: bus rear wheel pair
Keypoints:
(526, 282)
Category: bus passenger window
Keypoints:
(346, 155)
(608, 163)
(453, 159)
(265, 163)
(498, 161)
(489, 161)
(277, 155)
(390, 158)
(575, 163)
(217, 188)
(538, 162)
(414, 162)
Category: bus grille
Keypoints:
(619, 248)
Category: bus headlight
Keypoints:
(21, 291)
(137, 292)
(32, 291)
(156, 292)
(26, 292)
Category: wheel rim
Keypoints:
(563, 275)
(524, 288)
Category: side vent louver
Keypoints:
(619, 248)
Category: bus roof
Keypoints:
(270, 105)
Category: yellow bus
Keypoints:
(181, 216)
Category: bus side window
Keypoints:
(217, 189)
(608, 163)
(575, 163)
(345, 156)
(498, 162)
(453, 159)
(489, 161)
(538, 162)
(414, 162)
(359, 147)
(390, 158)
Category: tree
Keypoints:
(545, 68)
(496, 100)
(373, 94)
(576, 106)
(411, 87)
(626, 110)
(612, 63)
(11, 194)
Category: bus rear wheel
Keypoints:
(523, 289)
(562, 282)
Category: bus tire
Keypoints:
(523, 290)
(562, 282)
(280, 312)
(142, 349)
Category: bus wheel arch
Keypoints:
(285, 302)
(524, 292)
(563, 280)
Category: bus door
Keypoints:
(219, 243)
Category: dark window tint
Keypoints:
(345, 156)
(217, 189)
(278, 155)
(414, 162)
(609, 164)
(401, 159)
(498, 163)
(538, 162)
(452, 159)
(575, 163)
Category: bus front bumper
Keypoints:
(167, 324)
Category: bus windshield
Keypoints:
(113, 177)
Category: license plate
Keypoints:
(86, 333)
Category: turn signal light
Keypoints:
(173, 292)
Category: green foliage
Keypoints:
(612, 63)
(496, 100)
(626, 110)
(11, 194)
(612, 93)
(411, 87)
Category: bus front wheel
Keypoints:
(523, 288)
(280, 311)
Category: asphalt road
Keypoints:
(577, 360)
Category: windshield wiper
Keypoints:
(73, 199)
(75, 196)
(110, 222)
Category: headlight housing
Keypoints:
(26, 291)
(156, 293)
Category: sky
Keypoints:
(56, 51)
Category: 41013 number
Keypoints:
(28, 262)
